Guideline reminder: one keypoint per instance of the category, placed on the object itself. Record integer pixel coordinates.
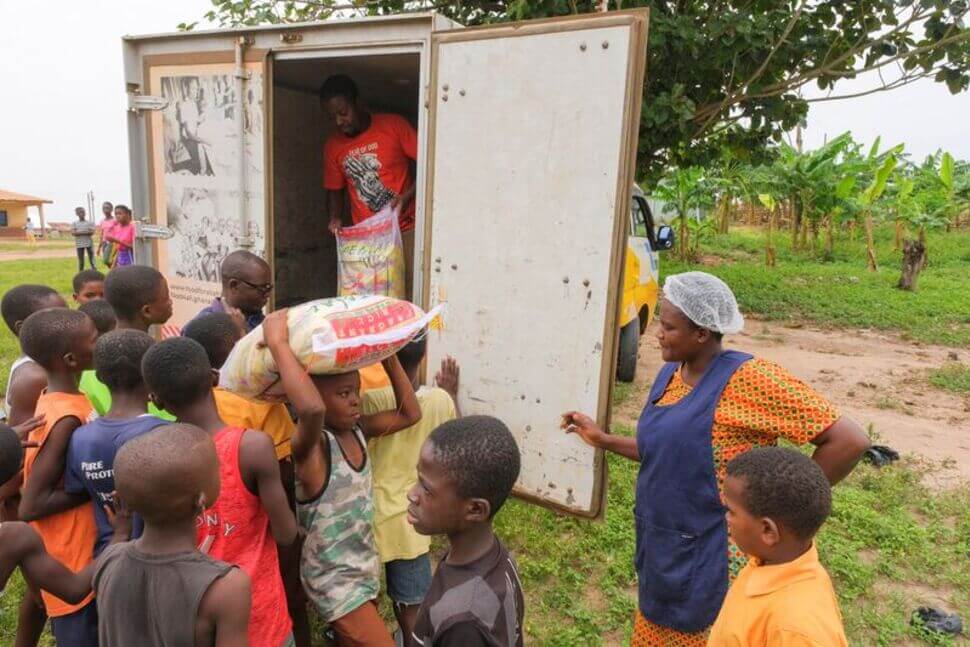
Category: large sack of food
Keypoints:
(370, 257)
(328, 336)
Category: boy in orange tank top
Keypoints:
(62, 342)
(251, 511)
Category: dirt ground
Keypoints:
(873, 376)
(41, 252)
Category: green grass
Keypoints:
(842, 292)
(55, 272)
(952, 376)
(21, 247)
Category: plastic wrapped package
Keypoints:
(327, 336)
(370, 257)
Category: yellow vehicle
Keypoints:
(641, 274)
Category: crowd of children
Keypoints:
(165, 511)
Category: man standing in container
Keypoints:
(372, 157)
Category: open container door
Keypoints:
(533, 132)
(206, 152)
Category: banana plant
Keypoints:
(768, 202)
(684, 190)
(886, 165)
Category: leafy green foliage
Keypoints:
(722, 74)
(685, 192)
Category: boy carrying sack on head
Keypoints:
(158, 590)
(62, 342)
(340, 566)
(250, 517)
(404, 552)
(776, 501)
(466, 471)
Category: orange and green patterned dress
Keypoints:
(761, 403)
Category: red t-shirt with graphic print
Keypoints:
(373, 165)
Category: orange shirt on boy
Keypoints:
(782, 605)
(375, 165)
(271, 418)
(68, 536)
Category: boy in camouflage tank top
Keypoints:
(340, 567)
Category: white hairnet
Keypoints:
(706, 300)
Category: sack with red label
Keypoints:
(328, 336)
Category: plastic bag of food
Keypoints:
(327, 336)
(370, 257)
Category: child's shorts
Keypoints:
(362, 627)
(78, 629)
(408, 580)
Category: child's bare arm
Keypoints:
(24, 391)
(42, 495)
(258, 460)
(223, 616)
(408, 410)
(23, 546)
(308, 459)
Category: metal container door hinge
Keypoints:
(148, 230)
(139, 102)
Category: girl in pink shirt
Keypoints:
(122, 234)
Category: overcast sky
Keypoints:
(62, 116)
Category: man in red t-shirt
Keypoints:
(372, 156)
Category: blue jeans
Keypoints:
(408, 580)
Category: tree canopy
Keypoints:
(721, 73)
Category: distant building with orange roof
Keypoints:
(13, 212)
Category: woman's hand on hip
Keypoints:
(574, 422)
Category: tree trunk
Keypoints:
(914, 259)
(750, 213)
(683, 234)
(870, 244)
(899, 235)
(804, 243)
(769, 248)
(829, 237)
(814, 225)
(796, 221)
(725, 214)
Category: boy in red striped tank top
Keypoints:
(251, 510)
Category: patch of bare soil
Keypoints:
(875, 377)
(40, 253)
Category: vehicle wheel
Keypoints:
(626, 364)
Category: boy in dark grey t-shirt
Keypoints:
(466, 470)
(159, 590)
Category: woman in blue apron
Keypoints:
(707, 405)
